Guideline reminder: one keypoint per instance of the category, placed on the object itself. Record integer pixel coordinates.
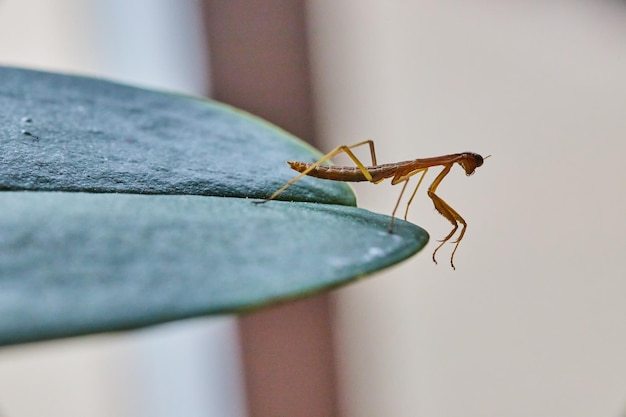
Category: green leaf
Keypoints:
(123, 207)
(77, 263)
(68, 133)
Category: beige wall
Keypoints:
(533, 321)
(47, 35)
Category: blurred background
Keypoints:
(532, 322)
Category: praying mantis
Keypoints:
(399, 172)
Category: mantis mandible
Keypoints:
(399, 172)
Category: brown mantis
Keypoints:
(399, 172)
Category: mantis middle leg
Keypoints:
(405, 178)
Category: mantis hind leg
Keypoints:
(345, 149)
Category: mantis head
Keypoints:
(470, 161)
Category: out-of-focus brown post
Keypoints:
(259, 62)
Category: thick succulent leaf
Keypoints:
(123, 207)
(68, 133)
(73, 263)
